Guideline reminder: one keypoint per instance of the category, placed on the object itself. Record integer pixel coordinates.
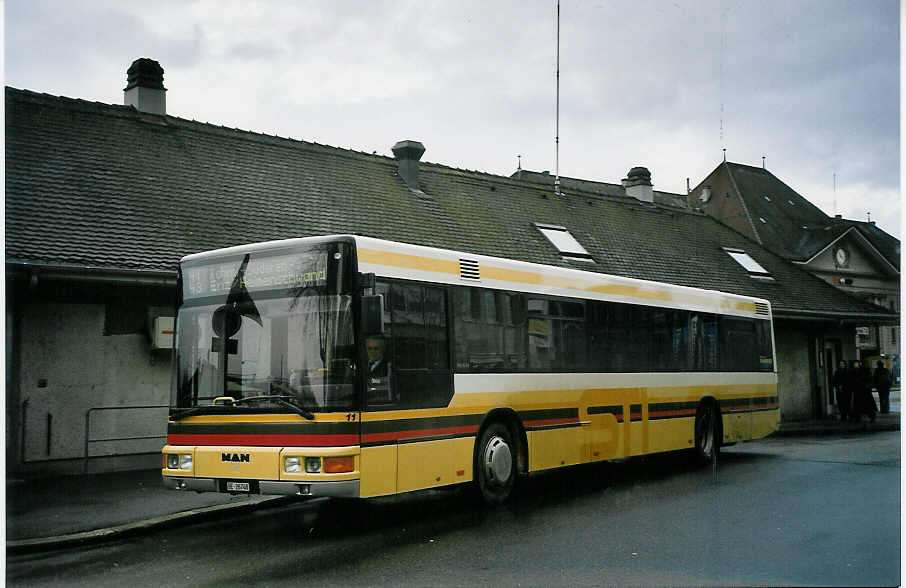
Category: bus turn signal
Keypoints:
(337, 465)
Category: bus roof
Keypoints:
(428, 264)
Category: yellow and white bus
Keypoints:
(352, 366)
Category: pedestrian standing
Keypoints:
(842, 394)
(851, 385)
(863, 402)
(881, 379)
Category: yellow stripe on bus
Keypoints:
(404, 260)
(445, 266)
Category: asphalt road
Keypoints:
(783, 511)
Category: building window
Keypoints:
(565, 243)
(746, 261)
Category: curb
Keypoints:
(834, 429)
(136, 528)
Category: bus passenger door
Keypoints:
(378, 460)
(417, 387)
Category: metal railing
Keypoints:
(89, 440)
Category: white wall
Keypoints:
(64, 345)
(793, 373)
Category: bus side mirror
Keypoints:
(373, 315)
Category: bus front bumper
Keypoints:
(343, 488)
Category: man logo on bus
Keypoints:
(235, 457)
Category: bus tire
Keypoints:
(495, 463)
(707, 433)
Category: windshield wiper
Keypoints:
(284, 401)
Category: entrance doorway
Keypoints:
(832, 354)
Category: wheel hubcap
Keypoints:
(498, 460)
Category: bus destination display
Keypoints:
(262, 273)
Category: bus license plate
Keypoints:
(237, 486)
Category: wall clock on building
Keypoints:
(841, 256)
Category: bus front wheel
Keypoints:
(495, 463)
(707, 433)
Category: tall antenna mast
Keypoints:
(723, 50)
(557, 137)
(835, 193)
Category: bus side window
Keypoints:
(703, 342)
(490, 330)
(765, 346)
(738, 345)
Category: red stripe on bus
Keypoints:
(673, 413)
(264, 440)
(416, 433)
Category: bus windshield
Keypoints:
(269, 331)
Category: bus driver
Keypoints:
(378, 371)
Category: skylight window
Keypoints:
(746, 261)
(565, 243)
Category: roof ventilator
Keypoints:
(145, 87)
(638, 184)
(762, 308)
(468, 270)
(408, 153)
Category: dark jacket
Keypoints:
(882, 379)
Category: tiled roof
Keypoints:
(884, 242)
(793, 227)
(91, 184)
(603, 188)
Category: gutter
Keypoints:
(835, 316)
(76, 273)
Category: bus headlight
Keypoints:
(292, 465)
(313, 465)
(179, 461)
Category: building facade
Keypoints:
(856, 257)
(102, 200)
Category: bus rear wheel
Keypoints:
(495, 463)
(707, 433)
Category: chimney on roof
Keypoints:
(638, 184)
(145, 87)
(408, 153)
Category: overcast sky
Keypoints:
(811, 85)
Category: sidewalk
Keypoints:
(51, 513)
(883, 422)
(65, 511)
(829, 426)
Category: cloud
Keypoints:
(811, 84)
